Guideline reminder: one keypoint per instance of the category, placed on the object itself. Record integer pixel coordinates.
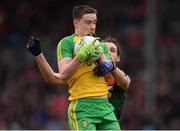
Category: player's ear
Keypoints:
(118, 58)
(75, 23)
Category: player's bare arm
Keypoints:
(67, 67)
(121, 78)
(47, 72)
(110, 71)
(105, 68)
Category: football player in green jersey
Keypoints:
(120, 82)
(89, 108)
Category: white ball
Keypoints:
(87, 40)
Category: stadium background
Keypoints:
(150, 55)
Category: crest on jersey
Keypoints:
(76, 39)
(84, 123)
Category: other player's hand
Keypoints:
(103, 68)
(89, 52)
(34, 46)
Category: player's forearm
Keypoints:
(121, 78)
(69, 68)
(48, 74)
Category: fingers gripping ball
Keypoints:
(88, 49)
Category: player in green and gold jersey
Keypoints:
(82, 83)
(89, 108)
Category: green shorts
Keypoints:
(92, 114)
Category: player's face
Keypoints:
(113, 52)
(86, 25)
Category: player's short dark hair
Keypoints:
(80, 10)
(115, 41)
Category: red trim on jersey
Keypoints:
(111, 82)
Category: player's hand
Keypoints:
(34, 46)
(89, 51)
(104, 68)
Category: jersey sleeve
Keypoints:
(65, 48)
(106, 52)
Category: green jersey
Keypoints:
(117, 98)
(83, 83)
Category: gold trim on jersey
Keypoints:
(76, 123)
(59, 54)
(73, 115)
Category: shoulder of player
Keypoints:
(70, 39)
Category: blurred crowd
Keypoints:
(27, 102)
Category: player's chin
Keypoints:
(91, 33)
(112, 60)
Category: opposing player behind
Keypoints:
(120, 83)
